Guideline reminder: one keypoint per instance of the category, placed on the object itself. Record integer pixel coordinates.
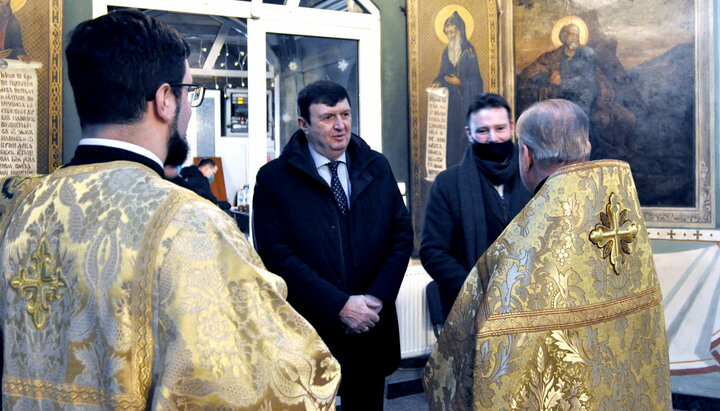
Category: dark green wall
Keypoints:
(394, 69)
(74, 12)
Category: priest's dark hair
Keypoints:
(488, 100)
(320, 92)
(117, 62)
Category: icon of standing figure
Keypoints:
(460, 74)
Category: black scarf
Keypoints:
(494, 161)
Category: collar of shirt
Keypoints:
(121, 145)
(320, 160)
(324, 171)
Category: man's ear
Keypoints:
(165, 103)
(303, 124)
(527, 158)
(469, 134)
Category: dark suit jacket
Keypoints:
(298, 236)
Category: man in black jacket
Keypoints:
(198, 179)
(329, 219)
(471, 203)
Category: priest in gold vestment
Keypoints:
(564, 310)
(121, 290)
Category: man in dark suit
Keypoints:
(330, 220)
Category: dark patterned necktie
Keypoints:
(336, 187)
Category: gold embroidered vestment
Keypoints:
(563, 311)
(122, 290)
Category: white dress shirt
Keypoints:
(321, 162)
(121, 145)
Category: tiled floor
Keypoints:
(704, 385)
(696, 392)
(415, 402)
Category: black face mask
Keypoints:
(496, 152)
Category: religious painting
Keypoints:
(642, 71)
(453, 56)
(30, 86)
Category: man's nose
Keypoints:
(493, 136)
(338, 122)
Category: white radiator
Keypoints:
(416, 333)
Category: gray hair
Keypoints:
(555, 131)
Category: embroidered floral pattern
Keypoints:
(554, 379)
(151, 289)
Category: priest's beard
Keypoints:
(455, 50)
(178, 148)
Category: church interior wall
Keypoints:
(394, 69)
(74, 12)
(394, 83)
(395, 106)
(716, 95)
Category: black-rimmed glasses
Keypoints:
(196, 93)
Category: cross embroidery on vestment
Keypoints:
(40, 284)
(614, 233)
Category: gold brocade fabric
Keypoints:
(563, 311)
(123, 291)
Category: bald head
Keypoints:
(551, 134)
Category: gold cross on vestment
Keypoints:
(40, 284)
(614, 233)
